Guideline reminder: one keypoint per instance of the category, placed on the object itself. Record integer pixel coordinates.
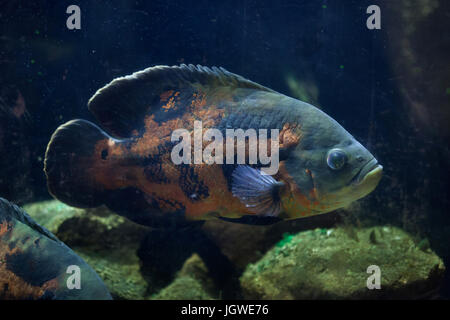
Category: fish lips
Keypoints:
(371, 169)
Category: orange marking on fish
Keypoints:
(51, 284)
(169, 195)
(169, 105)
(220, 200)
(4, 228)
(17, 288)
(290, 135)
(115, 173)
(165, 95)
(297, 200)
(198, 102)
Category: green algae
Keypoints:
(330, 264)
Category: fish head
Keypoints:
(328, 169)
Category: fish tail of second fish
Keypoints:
(70, 164)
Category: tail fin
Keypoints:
(69, 161)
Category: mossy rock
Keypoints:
(120, 272)
(51, 214)
(191, 283)
(183, 288)
(332, 264)
(243, 244)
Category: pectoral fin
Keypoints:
(259, 192)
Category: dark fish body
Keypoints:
(34, 263)
(127, 163)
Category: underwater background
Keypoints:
(390, 88)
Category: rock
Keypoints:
(106, 241)
(51, 214)
(243, 244)
(240, 243)
(332, 264)
(195, 268)
(164, 251)
(183, 288)
(191, 283)
(120, 270)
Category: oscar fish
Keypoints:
(126, 164)
(35, 265)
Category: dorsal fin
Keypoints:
(121, 105)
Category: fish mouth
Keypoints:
(370, 169)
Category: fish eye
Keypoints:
(336, 159)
